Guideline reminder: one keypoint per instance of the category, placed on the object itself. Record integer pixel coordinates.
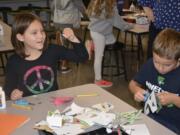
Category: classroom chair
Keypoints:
(111, 61)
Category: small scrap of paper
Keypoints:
(43, 125)
(138, 129)
(151, 104)
(104, 107)
(57, 101)
(73, 110)
(124, 118)
(21, 102)
(54, 119)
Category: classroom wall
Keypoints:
(15, 4)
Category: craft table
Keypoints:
(43, 105)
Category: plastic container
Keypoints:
(2, 99)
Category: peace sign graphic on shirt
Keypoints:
(39, 79)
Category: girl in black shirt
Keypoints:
(32, 69)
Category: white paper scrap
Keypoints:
(89, 116)
(74, 109)
(104, 118)
(151, 104)
(103, 107)
(138, 129)
(69, 129)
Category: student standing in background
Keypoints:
(103, 15)
(69, 13)
(161, 14)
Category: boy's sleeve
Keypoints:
(10, 78)
(142, 76)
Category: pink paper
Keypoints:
(61, 100)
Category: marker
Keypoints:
(21, 107)
(87, 95)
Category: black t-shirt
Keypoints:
(151, 80)
(40, 75)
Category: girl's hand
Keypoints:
(166, 98)
(69, 34)
(139, 95)
(16, 94)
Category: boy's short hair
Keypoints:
(167, 44)
(21, 23)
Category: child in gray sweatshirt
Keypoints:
(103, 16)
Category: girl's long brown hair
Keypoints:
(96, 7)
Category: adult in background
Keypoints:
(161, 14)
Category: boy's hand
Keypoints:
(69, 34)
(139, 95)
(16, 94)
(166, 98)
